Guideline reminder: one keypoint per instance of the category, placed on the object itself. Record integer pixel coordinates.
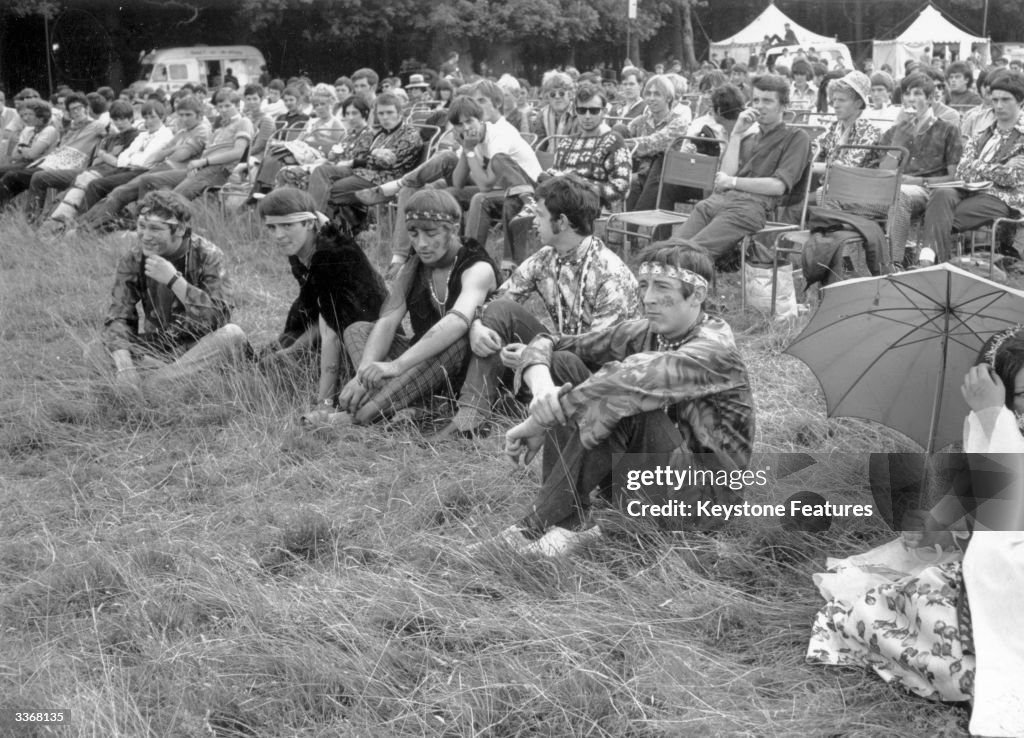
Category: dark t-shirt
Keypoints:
(340, 285)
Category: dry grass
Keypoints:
(194, 568)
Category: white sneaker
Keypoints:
(513, 537)
(561, 541)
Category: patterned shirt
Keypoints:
(932, 150)
(548, 123)
(603, 160)
(651, 137)
(595, 292)
(1008, 182)
(863, 133)
(702, 384)
(206, 307)
(406, 143)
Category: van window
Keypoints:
(179, 71)
(160, 73)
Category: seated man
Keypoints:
(337, 287)
(180, 281)
(934, 147)
(597, 154)
(104, 161)
(756, 172)
(60, 166)
(584, 287)
(671, 386)
(395, 149)
(440, 287)
(184, 145)
(994, 156)
(493, 156)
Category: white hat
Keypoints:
(416, 80)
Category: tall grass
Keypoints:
(195, 567)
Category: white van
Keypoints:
(169, 69)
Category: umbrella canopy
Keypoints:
(895, 349)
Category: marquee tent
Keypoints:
(772, 21)
(929, 28)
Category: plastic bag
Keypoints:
(759, 290)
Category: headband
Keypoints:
(156, 219)
(431, 215)
(300, 217)
(997, 342)
(657, 269)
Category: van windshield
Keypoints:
(147, 70)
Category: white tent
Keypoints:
(772, 21)
(929, 28)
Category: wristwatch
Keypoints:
(470, 154)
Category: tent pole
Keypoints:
(984, 21)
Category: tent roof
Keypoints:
(931, 26)
(772, 20)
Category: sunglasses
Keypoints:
(588, 111)
(558, 93)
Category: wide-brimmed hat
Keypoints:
(416, 80)
(856, 81)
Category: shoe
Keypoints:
(562, 541)
(514, 537)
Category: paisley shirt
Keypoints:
(1008, 182)
(592, 289)
(864, 133)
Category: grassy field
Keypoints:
(198, 568)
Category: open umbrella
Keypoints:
(895, 349)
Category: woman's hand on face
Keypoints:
(982, 388)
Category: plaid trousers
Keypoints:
(444, 371)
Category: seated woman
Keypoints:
(440, 287)
(37, 138)
(311, 146)
(917, 630)
(337, 286)
(356, 140)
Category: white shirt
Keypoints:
(143, 151)
(501, 137)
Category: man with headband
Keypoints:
(337, 287)
(441, 288)
(179, 278)
(671, 390)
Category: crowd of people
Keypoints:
(623, 358)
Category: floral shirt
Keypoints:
(651, 137)
(595, 292)
(206, 307)
(863, 133)
(702, 385)
(602, 160)
(1008, 182)
(406, 143)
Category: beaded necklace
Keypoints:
(447, 289)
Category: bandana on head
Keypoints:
(155, 219)
(657, 269)
(993, 351)
(431, 215)
(300, 217)
(998, 341)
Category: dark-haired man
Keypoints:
(756, 172)
(582, 284)
(670, 388)
(180, 280)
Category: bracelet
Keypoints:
(734, 183)
(172, 280)
(470, 154)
